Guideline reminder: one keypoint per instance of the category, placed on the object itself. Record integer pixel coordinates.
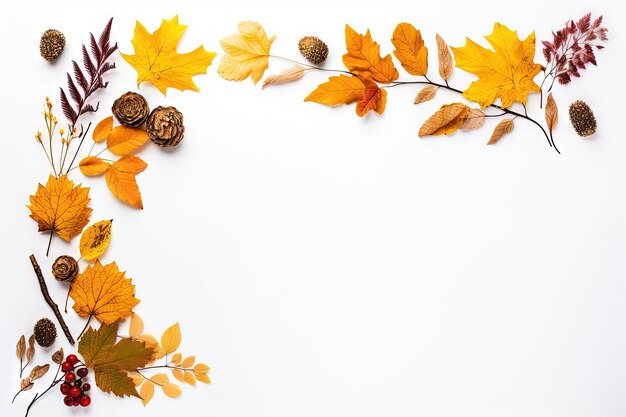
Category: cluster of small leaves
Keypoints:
(24, 353)
(89, 80)
(572, 47)
(37, 371)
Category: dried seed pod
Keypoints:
(65, 268)
(165, 126)
(313, 49)
(582, 118)
(45, 332)
(131, 109)
(51, 44)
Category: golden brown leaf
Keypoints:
(120, 178)
(246, 54)
(504, 127)
(374, 98)
(171, 339)
(363, 57)
(92, 166)
(103, 292)
(146, 392)
(102, 129)
(445, 121)
(410, 49)
(38, 371)
(26, 384)
(339, 89)
(289, 75)
(95, 240)
(30, 351)
(426, 94)
(552, 113)
(58, 357)
(60, 207)
(20, 348)
(445, 58)
(123, 140)
(189, 361)
(474, 120)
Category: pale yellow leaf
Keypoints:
(146, 392)
(136, 326)
(171, 390)
(246, 54)
(289, 75)
(178, 374)
(171, 339)
(189, 378)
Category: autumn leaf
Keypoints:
(171, 390)
(445, 59)
(95, 240)
(110, 361)
(246, 53)
(506, 72)
(474, 120)
(102, 129)
(103, 292)
(339, 89)
(552, 113)
(289, 75)
(445, 121)
(120, 178)
(410, 49)
(156, 59)
(146, 392)
(135, 328)
(123, 140)
(171, 339)
(374, 98)
(504, 127)
(60, 207)
(363, 58)
(92, 166)
(426, 94)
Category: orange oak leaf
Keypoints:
(92, 165)
(363, 57)
(123, 140)
(374, 98)
(339, 89)
(446, 120)
(60, 207)
(103, 292)
(410, 49)
(120, 178)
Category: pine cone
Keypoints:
(51, 44)
(131, 109)
(313, 49)
(45, 332)
(165, 126)
(582, 118)
(65, 268)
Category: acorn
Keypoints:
(165, 126)
(313, 49)
(582, 118)
(51, 44)
(65, 268)
(45, 332)
(131, 109)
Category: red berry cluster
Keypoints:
(73, 388)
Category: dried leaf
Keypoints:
(20, 348)
(203, 378)
(363, 57)
(120, 178)
(426, 94)
(146, 392)
(189, 378)
(102, 129)
(289, 75)
(160, 379)
(30, 352)
(137, 379)
(201, 369)
(152, 343)
(58, 357)
(505, 126)
(26, 384)
(38, 371)
(474, 120)
(95, 240)
(410, 49)
(123, 140)
(156, 59)
(552, 113)
(374, 98)
(171, 339)
(92, 166)
(136, 326)
(177, 359)
(171, 390)
(60, 207)
(103, 292)
(189, 361)
(339, 89)
(445, 58)
(445, 121)
(246, 54)
(178, 374)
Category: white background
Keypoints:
(326, 265)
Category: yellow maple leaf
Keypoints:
(60, 207)
(157, 61)
(246, 53)
(506, 72)
(363, 57)
(103, 292)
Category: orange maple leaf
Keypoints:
(60, 207)
(374, 98)
(363, 58)
(103, 292)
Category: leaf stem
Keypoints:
(311, 66)
(37, 396)
(85, 328)
(78, 149)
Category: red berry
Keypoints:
(85, 400)
(82, 372)
(78, 382)
(75, 392)
(65, 388)
(66, 367)
(75, 402)
(70, 377)
(73, 359)
(86, 387)
(68, 400)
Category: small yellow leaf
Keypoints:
(137, 379)
(95, 240)
(445, 121)
(102, 129)
(146, 392)
(503, 128)
(171, 390)
(92, 166)
(427, 93)
(136, 326)
(171, 339)
(177, 359)
(189, 361)
(201, 368)
(178, 374)
(289, 75)
(123, 140)
(189, 378)
(203, 378)
(160, 379)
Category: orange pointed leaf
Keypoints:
(120, 178)
(102, 129)
(339, 89)
(92, 166)
(123, 140)
(363, 57)
(374, 98)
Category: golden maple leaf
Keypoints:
(103, 292)
(246, 53)
(506, 72)
(157, 61)
(60, 207)
(363, 58)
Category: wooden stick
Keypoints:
(51, 303)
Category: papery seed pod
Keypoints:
(45, 332)
(313, 49)
(51, 44)
(582, 118)
(65, 268)
(131, 109)
(165, 126)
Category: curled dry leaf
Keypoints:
(171, 339)
(57, 357)
(246, 54)
(504, 127)
(445, 58)
(38, 371)
(290, 74)
(374, 98)
(95, 240)
(445, 121)
(426, 94)
(92, 166)
(20, 348)
(123, 140)
(552, 113)
(410, 49)
(102, 129)
(339, 89)
(474, 120)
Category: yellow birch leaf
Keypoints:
(246, 54)
(95, 240)
(339, 89)
(177, 359)
(171, 390)
(410, 49)
(203, 378)
(445, 121)
(92, 166)
(102, 129)
(146, 392)
(160, 379)
(201, 368)
(189, 361)
(504, 127)
(178, 374)
(136, 326)
(189, 378)
(171, 339)
(123, 140)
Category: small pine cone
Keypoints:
(65, 268)
(131, 109)
(51, 44)
(582, 118)
(45, 332)
(313, 49)
(165, 126)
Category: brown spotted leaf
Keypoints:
(445, 58)
(504, 127)
(426, 94)
(446, 120)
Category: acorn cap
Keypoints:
(51, 44)
(45, 332)
(313, 49)
(582, 118)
